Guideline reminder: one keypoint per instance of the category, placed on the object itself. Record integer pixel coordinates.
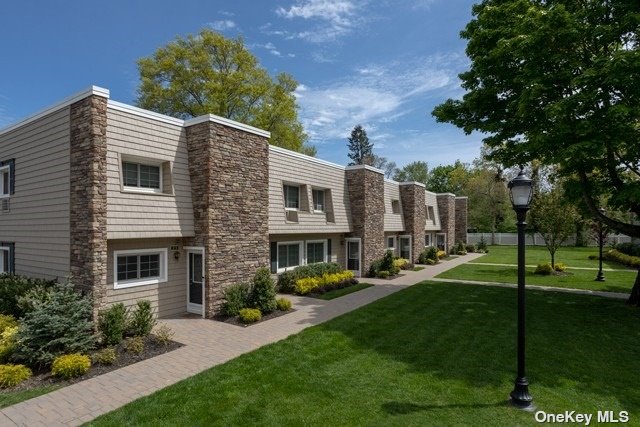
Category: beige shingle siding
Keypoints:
(171, 295)
(392, 222)
(285, 168)
(38, 221)
(131, 215)
(430, 200)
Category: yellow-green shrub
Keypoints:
(70, 365)
(543, 269)
(7, 342)
(283, 304)
(12, 375)
(307, 285)
(134, 345)
(250, 315)
(442, 254)
(106, 356)
(400, 263)
(7, 321)
(560, 266)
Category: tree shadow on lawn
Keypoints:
(466, 332)
(404, 408)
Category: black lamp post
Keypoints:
(521, 191)
(600, 276)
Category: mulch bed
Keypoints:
(151, 349)
(235, 320)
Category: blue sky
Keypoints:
(383, 64)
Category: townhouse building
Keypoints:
(131, 204)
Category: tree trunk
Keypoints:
(493, 230)
(634, 298)
(553, 260)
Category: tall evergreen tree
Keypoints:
(360, 149)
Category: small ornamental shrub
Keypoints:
(35, 297)
(441, 254)
(559, 266)
(470, 248)
(250, 315)
(388, 264)
(7, 321)
(382, 274)
(482, 245)
(112, 323)
(236, 297)
(13, 287)
(163, 334)
(593, 257)
(263, 292)
(70, 366)
(431, 261)
(619, 257)
(430, 253)
(142, 319)
(106, 356)
(12, 375)
(7, 343)
(401, 263)
(375, 267)
(461, 247)
(61, 326)
(317, 269)
(283, 304)
(287, 282)
(324, 283)
(543, 269)
(134, 345)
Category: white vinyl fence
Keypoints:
(537, 240)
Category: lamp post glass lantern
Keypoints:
(521, 192)
(600, 276)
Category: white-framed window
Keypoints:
(395, 206)
(316, 251)
(291, 196)
(318, 200)
(404, 242)
(391, 243)
(142, 177)
(5, 259)
(139, 267)
(289, 255)
(427, 240)
(5, 181)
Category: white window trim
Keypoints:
(392, 248)
(430, 240)
(196, 250)
(144, 163)
(301, 250)
(140, 282)
(285, 196)
(346, 254)
(3, 169)
(324, 250)
(406, 236)
(397, 203)
(324, 200)
(7, 253)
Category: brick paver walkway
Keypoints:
(207, 343)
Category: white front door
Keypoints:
(353, 256)
(195, 281)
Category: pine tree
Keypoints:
(360, 149)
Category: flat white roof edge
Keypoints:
(445, 194)
(462, 197)
(419, 184)
(91, 90)
(305, 157)
(366, 167)
(144, 113)
(227, 122)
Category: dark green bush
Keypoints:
(431, 261)
(375, 267)
(236, 297)
(141, 319)
(386, 263)
(112, 324)
(382, 274)
(461, 247)
(470, 248)
(594, 257)
(263, 292)
(632, 249)
(12, 287)
(619, 257)
(287, 282)
(317, 269)
(430, 253)
(482, 245)
(61, 326)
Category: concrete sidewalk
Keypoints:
(207, 343)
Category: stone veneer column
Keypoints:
(229, 170)
(366, 199)
(447, 211)
(414, 211)
(88, 197)
(461, 219)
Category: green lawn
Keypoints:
(8, 398)
(344, 291)
(571, 256)
(432, 354)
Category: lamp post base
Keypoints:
(599, 277)
(520, 397)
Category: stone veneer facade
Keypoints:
(461, 219)
(414, 211)
(447, 209)
(229, 187)
(88, 197)
(366, 187)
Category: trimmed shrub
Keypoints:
(559, 266)
(112, 324)
(7, 343)
(470, 248)
(430, 261)
(619, 257)
(106, 356)
(401, 263)
(7, 321)
(287, 282)
(263, 291)
(141, 319)
(324, 283)
(595, 257)
(482, 245)
(163, 334)
(283, 304)
(388, 263)
(317, 269)
(12, 375)
(61, 326)
(375, 267)
(134, 345)
(382, 274)
(236, 297)
(628, 248)
(250, 315)
(35, 297)
(70, 366)
(12, 287)
(543, 269)
(461, 248)
(441, 254)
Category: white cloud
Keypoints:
(226, 13)
(422, 4)
(335, 19)
(323, 57)
(222, 25)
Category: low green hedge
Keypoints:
(287, 280)
(617, 256)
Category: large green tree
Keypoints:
(210, 74)
(360, 148)
(448, 178)
(559, 81)
(417, 171)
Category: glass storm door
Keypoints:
(196, 274)
(405, 248)
(353, 256)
